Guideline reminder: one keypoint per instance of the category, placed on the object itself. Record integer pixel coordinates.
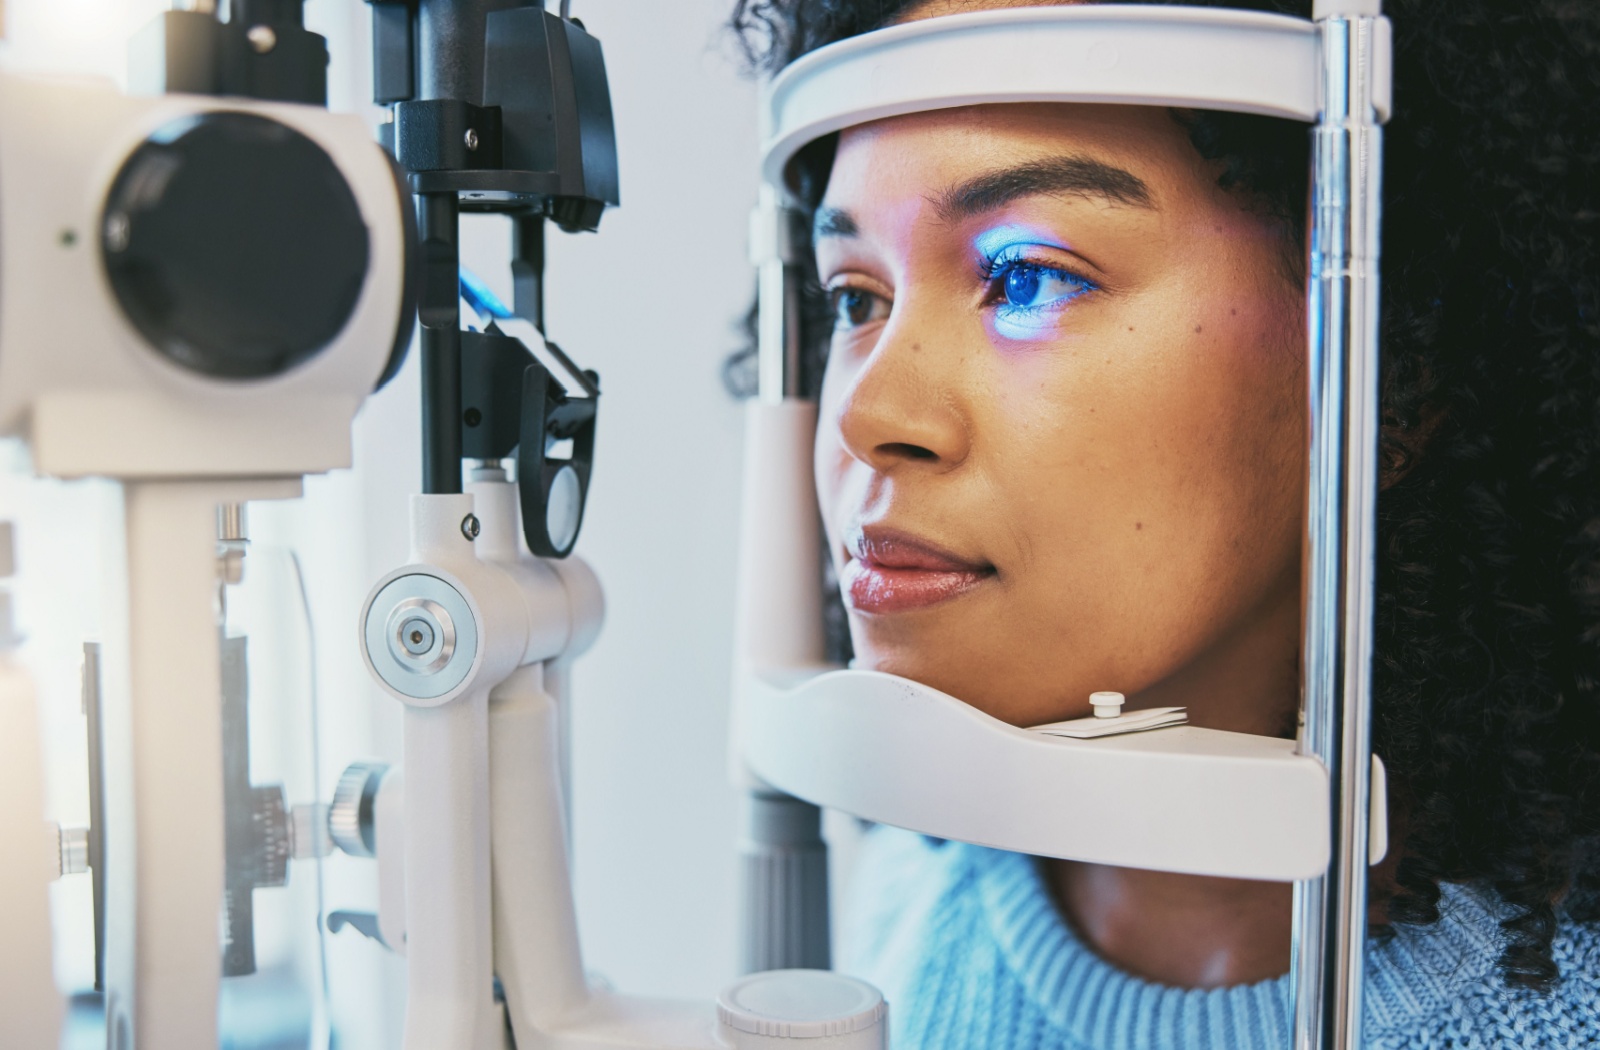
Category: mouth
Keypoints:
(891, 571)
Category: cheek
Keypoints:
(829, 460)
(1160, 461)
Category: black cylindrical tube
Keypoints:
(440, 313)
(450, 46)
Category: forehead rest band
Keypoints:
(1197, 58)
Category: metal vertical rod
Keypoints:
(92, 708)
(1330, 920)
(440, 313)
(784, 883)
(775, 243)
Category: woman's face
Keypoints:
(1062, 434)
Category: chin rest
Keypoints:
(1183, 799)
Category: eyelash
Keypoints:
(993, 270)
(834, 296)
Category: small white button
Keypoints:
(1106, 705)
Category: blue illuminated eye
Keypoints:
(1030, 286)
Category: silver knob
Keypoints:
(351, 818)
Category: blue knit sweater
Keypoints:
(969, 949)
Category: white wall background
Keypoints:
(651, 302)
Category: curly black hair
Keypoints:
(1487, 676)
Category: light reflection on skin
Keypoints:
(1033, 290)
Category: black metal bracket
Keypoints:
(513, 405)
(553, 491)
(500, 106)
(263, 51)
(532, 134)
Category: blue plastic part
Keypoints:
(482, 300)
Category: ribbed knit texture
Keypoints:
(968, 947)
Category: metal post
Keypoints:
(1330, 921)
(440, 313)
(784, 876)
(775, 241)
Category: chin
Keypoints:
(991, 680)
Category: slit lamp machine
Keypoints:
(256, 266)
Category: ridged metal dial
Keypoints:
(350, 818)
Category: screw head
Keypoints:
(416, 636)
(472, 138)
(262, 39)
(470, 526)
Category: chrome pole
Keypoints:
(776, 240)
(1330, 921)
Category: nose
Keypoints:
(903, 408)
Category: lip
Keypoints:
(890, 571)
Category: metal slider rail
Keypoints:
(1342, 311)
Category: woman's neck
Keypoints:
(1190, 931)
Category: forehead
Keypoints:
(928, 153)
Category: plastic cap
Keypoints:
(801, 1004)
(1107, 704)
(1346, 8)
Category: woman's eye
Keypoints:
(854, 307)
(1029, 286)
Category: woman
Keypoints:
(1062, 449)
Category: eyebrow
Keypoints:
(833, 222)
(1056, 177)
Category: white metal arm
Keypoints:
(30, 1005)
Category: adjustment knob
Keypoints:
(235, 245)
(351, 818)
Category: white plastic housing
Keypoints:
(79, 381)
(1203, 58)
(164, 829)
(1183, 799)
(779, 612)
(802, 1010)
(30, 1005)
